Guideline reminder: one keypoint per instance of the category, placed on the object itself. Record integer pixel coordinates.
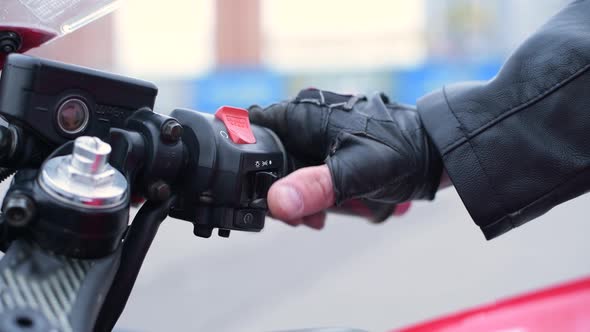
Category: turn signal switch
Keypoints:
(262, 183)
(234, 164)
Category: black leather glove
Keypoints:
(375, 149)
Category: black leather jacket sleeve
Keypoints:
(519, 144)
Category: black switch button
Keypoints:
(202, 231)
(259, 203)
(262, 183)
(252, 220)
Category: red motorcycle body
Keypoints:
(562, 308)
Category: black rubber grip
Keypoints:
(40, 291)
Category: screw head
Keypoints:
(10, 42)
(171, 131)
(19, 210)
(159, 191)
(8, 49)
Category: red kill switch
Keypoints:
(237, 123)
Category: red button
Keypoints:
(237, 123)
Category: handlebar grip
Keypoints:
(41, 291)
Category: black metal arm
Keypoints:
(40, 291)
(135, 247)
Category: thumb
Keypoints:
(302, 193)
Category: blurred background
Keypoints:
(205, 53)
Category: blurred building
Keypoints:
(480, 30)
(469, 40)
(205, 53)
(331, 35)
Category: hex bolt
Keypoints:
(159, 191)
(171, 131)
(19, 210)
(10, 42)
(8, 48)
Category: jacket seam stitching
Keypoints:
(509, 112)
(461, 126)
(472, 149)
(509, 216)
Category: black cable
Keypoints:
(139, 238)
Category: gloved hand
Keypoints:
(359, 147)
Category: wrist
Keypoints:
(445, 180)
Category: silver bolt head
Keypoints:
(90, 154)
(172, 131)
(93, 179)
(19, 210)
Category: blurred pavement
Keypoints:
(430, 262)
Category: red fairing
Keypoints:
(30, 37)
(563, 308)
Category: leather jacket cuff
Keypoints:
(462, 164)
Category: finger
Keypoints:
(302, 193)
(294, 222)
(402, 209)
(315, 221)
(272, 117)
